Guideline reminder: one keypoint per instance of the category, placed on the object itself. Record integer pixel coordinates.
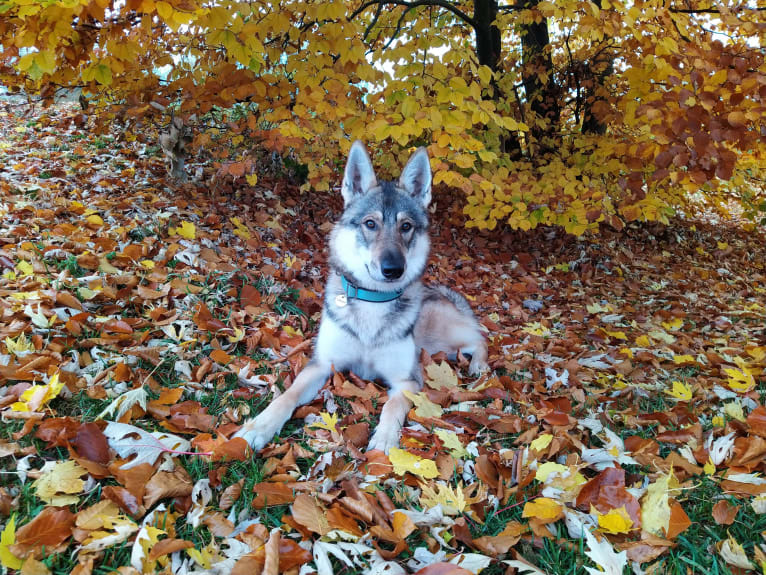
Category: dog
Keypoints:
(377, 314)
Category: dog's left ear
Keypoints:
(359, 175)
(416, 177)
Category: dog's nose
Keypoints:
(392, 266)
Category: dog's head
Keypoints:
(382, 238)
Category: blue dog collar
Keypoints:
(354, 292)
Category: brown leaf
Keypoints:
(32, 566)
(218, 524)
(168, 546)
(134, 479)
(165, 484)
(91, 443)
(724, 512)
(271, 559)
(51, 527)
(268, 494)
(679, 520)
(500, 544)
(124, 499)
(310, 514)
(231, 494)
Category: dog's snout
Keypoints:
(392, 265)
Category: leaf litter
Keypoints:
(142, 324)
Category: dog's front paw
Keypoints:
(383, 440)
(477, 367)
(257, 433)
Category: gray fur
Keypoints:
(383, 222)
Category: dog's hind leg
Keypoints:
(259, 431)
(393, 415)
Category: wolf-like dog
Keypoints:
(377, 314)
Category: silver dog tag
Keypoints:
(341, 300)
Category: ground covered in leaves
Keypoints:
(621, 430)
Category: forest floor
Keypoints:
(622, 429)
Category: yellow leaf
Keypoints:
(86, 293)
(8, 537)
(718, 421)
(95, 219)
(329, 421)
(406, 462)
(19, 346)
(594, 308)
(740, 380)
(452, 442)
(542, 508)
(424, 406)
(541, 442)
(186, 230)
(545, 469)
(35, 397)
(680, 391)
(147, 264)
(452, 500)
(679, 359)
(252, 179)
(616, 334)
(643, 341)
(615, 521)
(441, 376)
(165, 10)
(655, 505)
(674, 324)
(734, 411)
(57, 486)
(25, 268)
(203, 558)
(709, 467)
(536, 328)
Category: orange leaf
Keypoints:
(724, 512)
(679, 520)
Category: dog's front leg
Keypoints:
(259, 431)
(393, 415)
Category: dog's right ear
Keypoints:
(359, 175)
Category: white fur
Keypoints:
(359, 175)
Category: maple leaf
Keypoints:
(424, 407)
(441, 376)
(326, 421)
(56, 485)
(452, 500)
(680, 391)
(603, 554)
(124, 403)
(147, 447)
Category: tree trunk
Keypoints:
(488, 50)
(537, 75)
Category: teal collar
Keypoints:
(355, 292)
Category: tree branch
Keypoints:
(409, 5)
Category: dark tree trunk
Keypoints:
(537, 76)
(487, 34)
(488, 50)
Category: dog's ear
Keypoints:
(359, 175)
(416, 177)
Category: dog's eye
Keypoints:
(370, 224)
(406, 227)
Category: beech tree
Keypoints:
(573, 112)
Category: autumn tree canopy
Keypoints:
(569, 112)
